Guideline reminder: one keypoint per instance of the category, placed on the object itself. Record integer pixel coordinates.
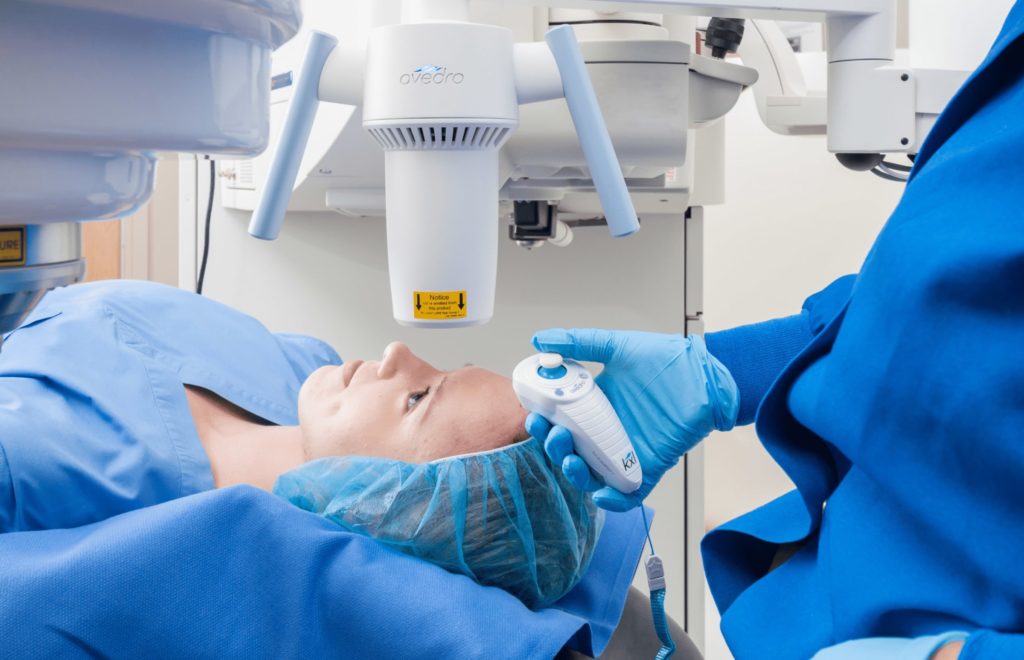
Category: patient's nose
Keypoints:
(397, 359)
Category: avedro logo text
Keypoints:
(431, 74)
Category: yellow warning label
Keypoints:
(12, 246)
(439, 305)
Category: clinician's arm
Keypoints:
(671, 391)
(756, 354)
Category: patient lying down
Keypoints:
(122, 395)
(432, 463)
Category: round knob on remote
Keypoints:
(551, 366)
(550, 360)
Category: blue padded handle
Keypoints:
(593, 132)
(269, 214)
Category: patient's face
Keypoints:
(403, 408)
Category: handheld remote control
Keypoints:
(564, 392)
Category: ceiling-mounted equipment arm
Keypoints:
(593, 132)
(872, 103)
(270, 210)
(783, 101)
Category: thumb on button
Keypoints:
(584, 345)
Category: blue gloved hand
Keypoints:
(669, 392)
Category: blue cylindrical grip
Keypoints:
(269, 214)
(593, 132)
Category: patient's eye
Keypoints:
(415, 398)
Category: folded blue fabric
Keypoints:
(241, 573)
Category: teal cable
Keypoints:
(656, 585)
(668, 647)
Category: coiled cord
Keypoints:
(668, 647)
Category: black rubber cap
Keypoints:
(724, 35)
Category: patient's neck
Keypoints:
(242, 448)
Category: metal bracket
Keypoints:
(694, 249)
(533, 222)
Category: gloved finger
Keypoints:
(558, 444)
(538, 426)
(579, 474)
(589, 345)
(610, 499)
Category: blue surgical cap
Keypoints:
(505, 518)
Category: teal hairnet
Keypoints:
(505, 518)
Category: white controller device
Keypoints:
(564, 392)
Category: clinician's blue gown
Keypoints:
(901, 420)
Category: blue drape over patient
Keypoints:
(240, 573)
(901, 422)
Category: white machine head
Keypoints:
(564, 392)
(441, 98)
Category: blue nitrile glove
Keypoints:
(890, 648)
(669, 392)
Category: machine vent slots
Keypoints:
(440, 136)
(246, 175)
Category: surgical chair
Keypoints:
(635, 638)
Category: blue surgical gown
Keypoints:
(895, 403)
(92, 399)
